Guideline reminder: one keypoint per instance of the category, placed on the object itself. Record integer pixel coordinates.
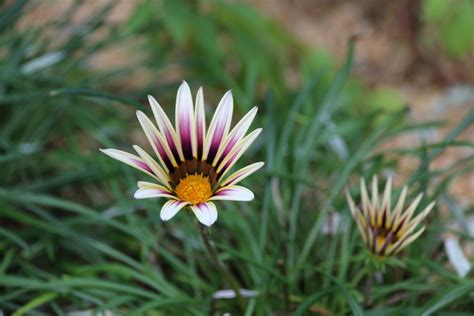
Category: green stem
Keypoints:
(368, 290)
(212, 252)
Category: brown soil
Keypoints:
(389, 55)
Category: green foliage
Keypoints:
(242, 47)
(72, 238)
(454, 24)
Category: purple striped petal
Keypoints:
(396, 212)
(148, 190)
(219, 126)
(236, 153)
(151, 193)
(200, 118)
(185, 119)
(161, 174)
(157, 142)
(206, 213)
(166, 128)
(237, 133)
(403, 242)
(129, 159)
(241, 174)
(171, 208)
(233, 193)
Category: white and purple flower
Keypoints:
(193, 162)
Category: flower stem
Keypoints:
(212, 252)
(368, 290)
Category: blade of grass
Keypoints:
(36, 302)
(311, 139)
(447, 297)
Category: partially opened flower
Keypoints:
(386, 231)
(193, 161)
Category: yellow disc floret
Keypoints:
(194, 188)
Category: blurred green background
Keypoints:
(344, 90)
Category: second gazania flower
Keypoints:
(386, 230)
(193, 161)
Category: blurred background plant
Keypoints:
(73, 239)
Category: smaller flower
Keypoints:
(386, 231)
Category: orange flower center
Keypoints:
(194, 189)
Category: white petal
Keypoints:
(228, 294)
(166, 128)
(354, 209)
(158, 142)
(385, 207)
(148, 190)
(151, 193)
(170, 208)
(422, 214)
(241, 174)
(129, 159)
(200, 121)
(155, 167)
(219, 126)
(206, 213)
(366, 208)
(185, 129)
(408, 213)
(237, 152)
(233, 193)
(237, 133)
(404, 242)
(456, 256)
(151, 185)
(411, 209)
(397, 211)
(375, 195)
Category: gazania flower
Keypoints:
(386, 231)
(193, 161)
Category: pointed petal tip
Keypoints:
(184, 85)
(228, 94)
(107, 151)
(254, 109)
(430, 207)
(151, 99)
(207, 224)
(140, 114)
(346, 192)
